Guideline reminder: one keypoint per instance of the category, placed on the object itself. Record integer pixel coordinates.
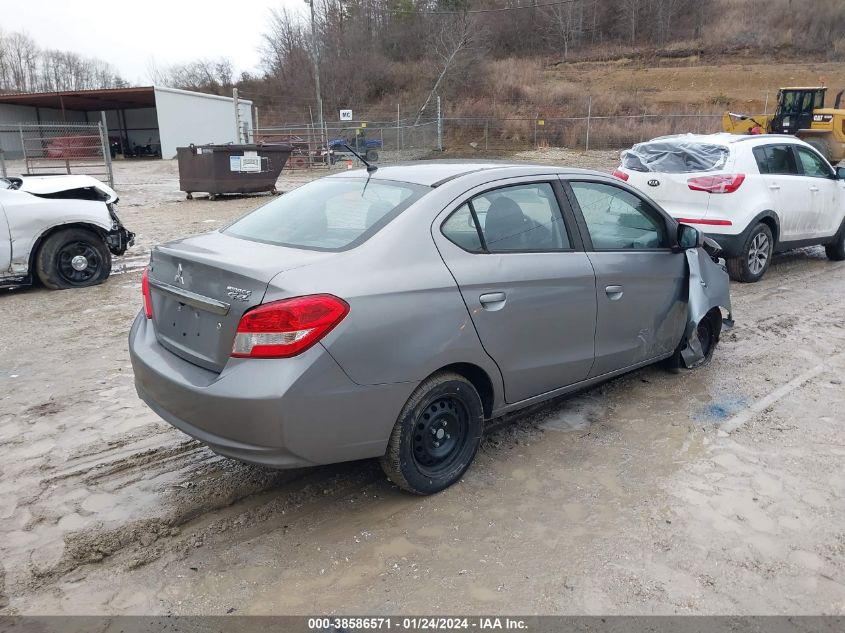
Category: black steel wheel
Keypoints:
(73, 258)
(436, 436)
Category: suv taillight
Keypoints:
(723, 183)
(285, 328)
(621, 175)
(145, 288)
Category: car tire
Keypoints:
(59, 263)
(836, 250)
(822, 146)
(708, 330)
(436, 435)
(755, 256)
(371, 155)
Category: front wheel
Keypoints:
(754, 257)
(436, 435)
(73, 258)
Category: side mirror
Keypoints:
(840, 173)
(689, 236)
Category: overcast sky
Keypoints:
(132, 33)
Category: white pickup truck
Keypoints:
(62, 229)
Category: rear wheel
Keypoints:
(754, 257)
(372, 155)
(436, 435)
(822, 146)
(73, 258)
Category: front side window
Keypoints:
(328, 214)
(776, 160)
(813, 164)
(617, 219)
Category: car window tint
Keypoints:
(617, 219)
(461, 229)
(330, 213)
(521, 218)
(778, 159)
(813, 164)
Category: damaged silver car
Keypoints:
(390, 312)
(61, 230)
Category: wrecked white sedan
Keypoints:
(62, 229)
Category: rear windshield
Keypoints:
(675, 157)
(328, 214)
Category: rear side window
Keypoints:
(675, 156)
(617, 219)
(813, 164)
(328, 214)
(776, 159)
(518, 218)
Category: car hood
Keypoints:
(72, 185)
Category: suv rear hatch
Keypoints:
(201, 286)
(662, 169)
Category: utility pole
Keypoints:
(315, 56)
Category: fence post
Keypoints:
(23, 147)
(535, 131)
(439, 127)
(2, 163)
(486, 134)
(104, 140)
(589, 114)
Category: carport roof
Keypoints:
(86, 100)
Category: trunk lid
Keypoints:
(671, 192)
(201, 286)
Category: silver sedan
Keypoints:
(389, 313)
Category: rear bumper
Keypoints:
(281, 413)
(731, 245)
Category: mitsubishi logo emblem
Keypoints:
(179, 277)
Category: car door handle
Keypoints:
(493, 301)
(814, 189)
(614, 293)
(774, 187)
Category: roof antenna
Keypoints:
(370, 168)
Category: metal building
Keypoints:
(161, 118)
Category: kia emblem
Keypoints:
(653, 183)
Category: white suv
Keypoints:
(754, 195)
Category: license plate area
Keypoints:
(189, 331)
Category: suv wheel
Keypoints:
(754, 257)
(436, 436)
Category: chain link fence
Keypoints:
(502, 135)
(375, 140)
(402, 139)
(50, 148)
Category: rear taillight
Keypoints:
(288, 327)
(145, 288)
(723, 183)
(621, 175)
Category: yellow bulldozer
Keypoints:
(800, 112)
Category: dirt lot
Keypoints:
(715, 491)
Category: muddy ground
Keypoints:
(718, 491)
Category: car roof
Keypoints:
(726, 138)
(436, 172)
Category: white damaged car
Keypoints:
(62, 229)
